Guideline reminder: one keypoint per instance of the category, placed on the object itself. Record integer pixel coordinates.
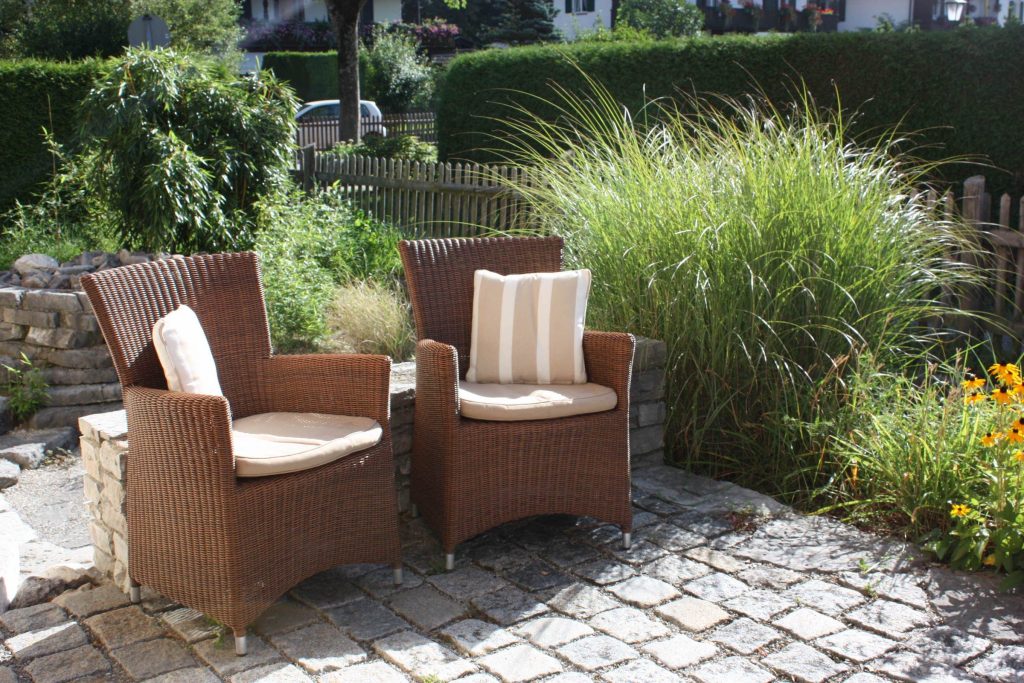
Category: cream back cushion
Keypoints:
(528, 329)
(185, 354)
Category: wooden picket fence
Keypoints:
(322, 133)
(426, 199)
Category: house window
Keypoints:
(578, 6)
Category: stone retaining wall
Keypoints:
(105, 448)
(57, 331)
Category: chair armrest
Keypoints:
(437, 380)
(336, 384)
(179, 440)
(609, 358)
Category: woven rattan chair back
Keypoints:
(439, 273)
(226, 292)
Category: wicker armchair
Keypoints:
(469, 475)
(224, 545)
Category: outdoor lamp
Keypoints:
(955, 10)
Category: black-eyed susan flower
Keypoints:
(959, 510)
(990, 439)
(974, 398)
(973, 382)
(1018, 456)
(1007, 373)
(1002, 396)
(1015, 434)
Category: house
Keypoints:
(379, 11)
(578, 16)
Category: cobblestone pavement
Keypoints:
(705, 594)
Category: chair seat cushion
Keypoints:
(514, 402)
(279, 443)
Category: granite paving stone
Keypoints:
(767, 576)
(860, 646)
(466, 583)
(806, 624)
(803, 663)
(643, 591)
(366, 620)
(604, 571)
(744, 635)
(900, 587)
(890, 618)
(426, 607)
(34, 618)
(596, 652)
(582, 601)
(280, 672)
(693, 614)
(733, 670)
(151, 658)
(864, 677)
(509, 606)
(46, 641)
(759, 604)
(520, 663)
(948, 644)
(680, 651)
(7, 675)
(642, 552)
(193, 674)
(421, 656)
(478, 678)
(87, 601)
(380, 583)
(327, 589)
(703, 523)
(220, 655)
(1002, 664)
(723, 562)
(716, 587)
(284, 615)
(824, 597)
(373, 672)
(474, 637)
(672, 537)
(190, 625)
(629, 625)
(675, 570)
(915, 667)
(69, 665)
(568, 554)
(124, 626)
(319, 648)
(552, 631)
(538, 576)
(641, 671)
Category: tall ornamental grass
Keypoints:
(767, 250)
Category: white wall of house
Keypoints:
(385, 11)
(862, 14)
(315, 10)
(581, 19)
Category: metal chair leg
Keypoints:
(627, 540)
(398, 576)
(241, 643)
(134, 593)
(449, 562)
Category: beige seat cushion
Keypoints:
(279, 443)
(513, 402)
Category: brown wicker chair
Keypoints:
(228, 546)
(468, 475)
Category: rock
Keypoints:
(9, 473)
(67, 416)
(58, 281)
(11, 297)
(51, 583)
(87, 258)
(90, 358)
(59, 338)
(35, 279)
(75, 269)
(31, 262)
(65, 302)
(11, 332)
(28, 448)
(9, 277)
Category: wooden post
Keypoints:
(308, 167)
(971, 210)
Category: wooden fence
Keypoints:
(322, 133)
(425, 199)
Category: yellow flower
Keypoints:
(990, 439)
(1007, 373)
(1015, 435)
(1019, 456)
(1017, 390)
(958, 510)
(973, 382)
(989, 561)
(1001, 396)
(974, 398)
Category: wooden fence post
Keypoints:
(973, 211)
(308, 167)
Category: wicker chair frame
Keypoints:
(228, 546)
(469, 476)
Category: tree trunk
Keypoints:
(345, 17)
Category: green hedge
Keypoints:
(35, 95)
(959, 90)
(313, 75)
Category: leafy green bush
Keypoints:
(37, 95)
(314, 75)
(309, 245)
(925, 82)
(662, 18)
(199, 25)
(26, 388)
(391, 147)
(73, 29)
(399, 77)
(622, 33)
(181, 150)
(766, 250)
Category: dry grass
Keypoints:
(370, 317)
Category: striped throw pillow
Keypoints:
(528, 329)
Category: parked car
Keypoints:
(369, 113)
